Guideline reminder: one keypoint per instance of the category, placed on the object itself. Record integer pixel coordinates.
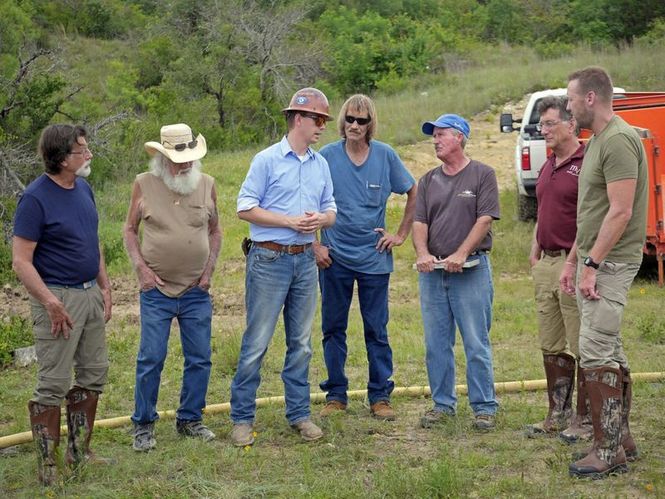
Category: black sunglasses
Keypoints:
(361, 121)
(318, 119)
(184, 145)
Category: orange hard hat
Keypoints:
(311, 100)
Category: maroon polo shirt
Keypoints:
(556, 191)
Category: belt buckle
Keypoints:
(290, 249)
(87, 284)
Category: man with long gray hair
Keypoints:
(174, 263)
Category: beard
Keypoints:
(585, 119)
(184, 182)
(84, 171)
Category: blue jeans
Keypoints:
(462, 299)
(336, 293)
(274, 280)
(193, 310)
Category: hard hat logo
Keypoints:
(310, 100)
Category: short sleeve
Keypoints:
(29, 218)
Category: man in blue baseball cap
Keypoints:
(456, 204)
(447, 121)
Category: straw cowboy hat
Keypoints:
(178, 144)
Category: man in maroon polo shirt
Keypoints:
(554, 235)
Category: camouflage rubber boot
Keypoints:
(607, 457)
(627, 441)
(581, 428)
(626, 438)
(560, 373)
(45, 424)
(81, 410)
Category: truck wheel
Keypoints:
(527, 208)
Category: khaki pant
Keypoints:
(84, 351)
(600, 328)
(558, 315)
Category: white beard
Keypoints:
(184, 183)
(84, 171)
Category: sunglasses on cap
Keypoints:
(183, 145)
(361, 121)
(318, 119)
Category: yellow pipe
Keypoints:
(408, 391)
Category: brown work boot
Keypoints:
(560, 373)
(607, 457)
(581, 428)
(45, 424)
(331, 407)
(81, 409)
(242, 434)
(382, 410)
(308, 430)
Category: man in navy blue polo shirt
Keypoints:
(57, 257)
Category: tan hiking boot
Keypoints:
(332, 407)
(382, 410)
(433, 417)
(484, 422)
(242, 434)
(308, 430)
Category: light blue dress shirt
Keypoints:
(279, 181)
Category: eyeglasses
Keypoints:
(318, 119)
(548, 124)
(361, 121)
(83, 151)
(183, 145)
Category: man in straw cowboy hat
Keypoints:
(174, 262)
(56, 255)
(286, 197)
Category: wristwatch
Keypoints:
(588, 261)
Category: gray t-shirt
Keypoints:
(451, 204)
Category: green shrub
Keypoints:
(15, 333)
(652, 328)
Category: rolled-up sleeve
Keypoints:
(327, 199)
(253, 188)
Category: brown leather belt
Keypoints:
(289, 249)
(555, 253)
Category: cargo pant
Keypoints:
(85, 351)
(600, 320)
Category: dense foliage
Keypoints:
(228, 66)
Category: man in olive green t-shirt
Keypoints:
(611, 229)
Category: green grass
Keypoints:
(360, 457)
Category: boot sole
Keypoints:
(599, 475)
(631, 458)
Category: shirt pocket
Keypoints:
(197, 215)
(374, 194)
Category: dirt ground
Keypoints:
(487, 144)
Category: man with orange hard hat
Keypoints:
(286, 197)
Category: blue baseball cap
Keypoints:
(447, 121)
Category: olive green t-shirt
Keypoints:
(614, 154)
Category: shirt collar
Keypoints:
(285, 148)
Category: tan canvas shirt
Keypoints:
(175, 242)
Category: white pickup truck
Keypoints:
(530, 151)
